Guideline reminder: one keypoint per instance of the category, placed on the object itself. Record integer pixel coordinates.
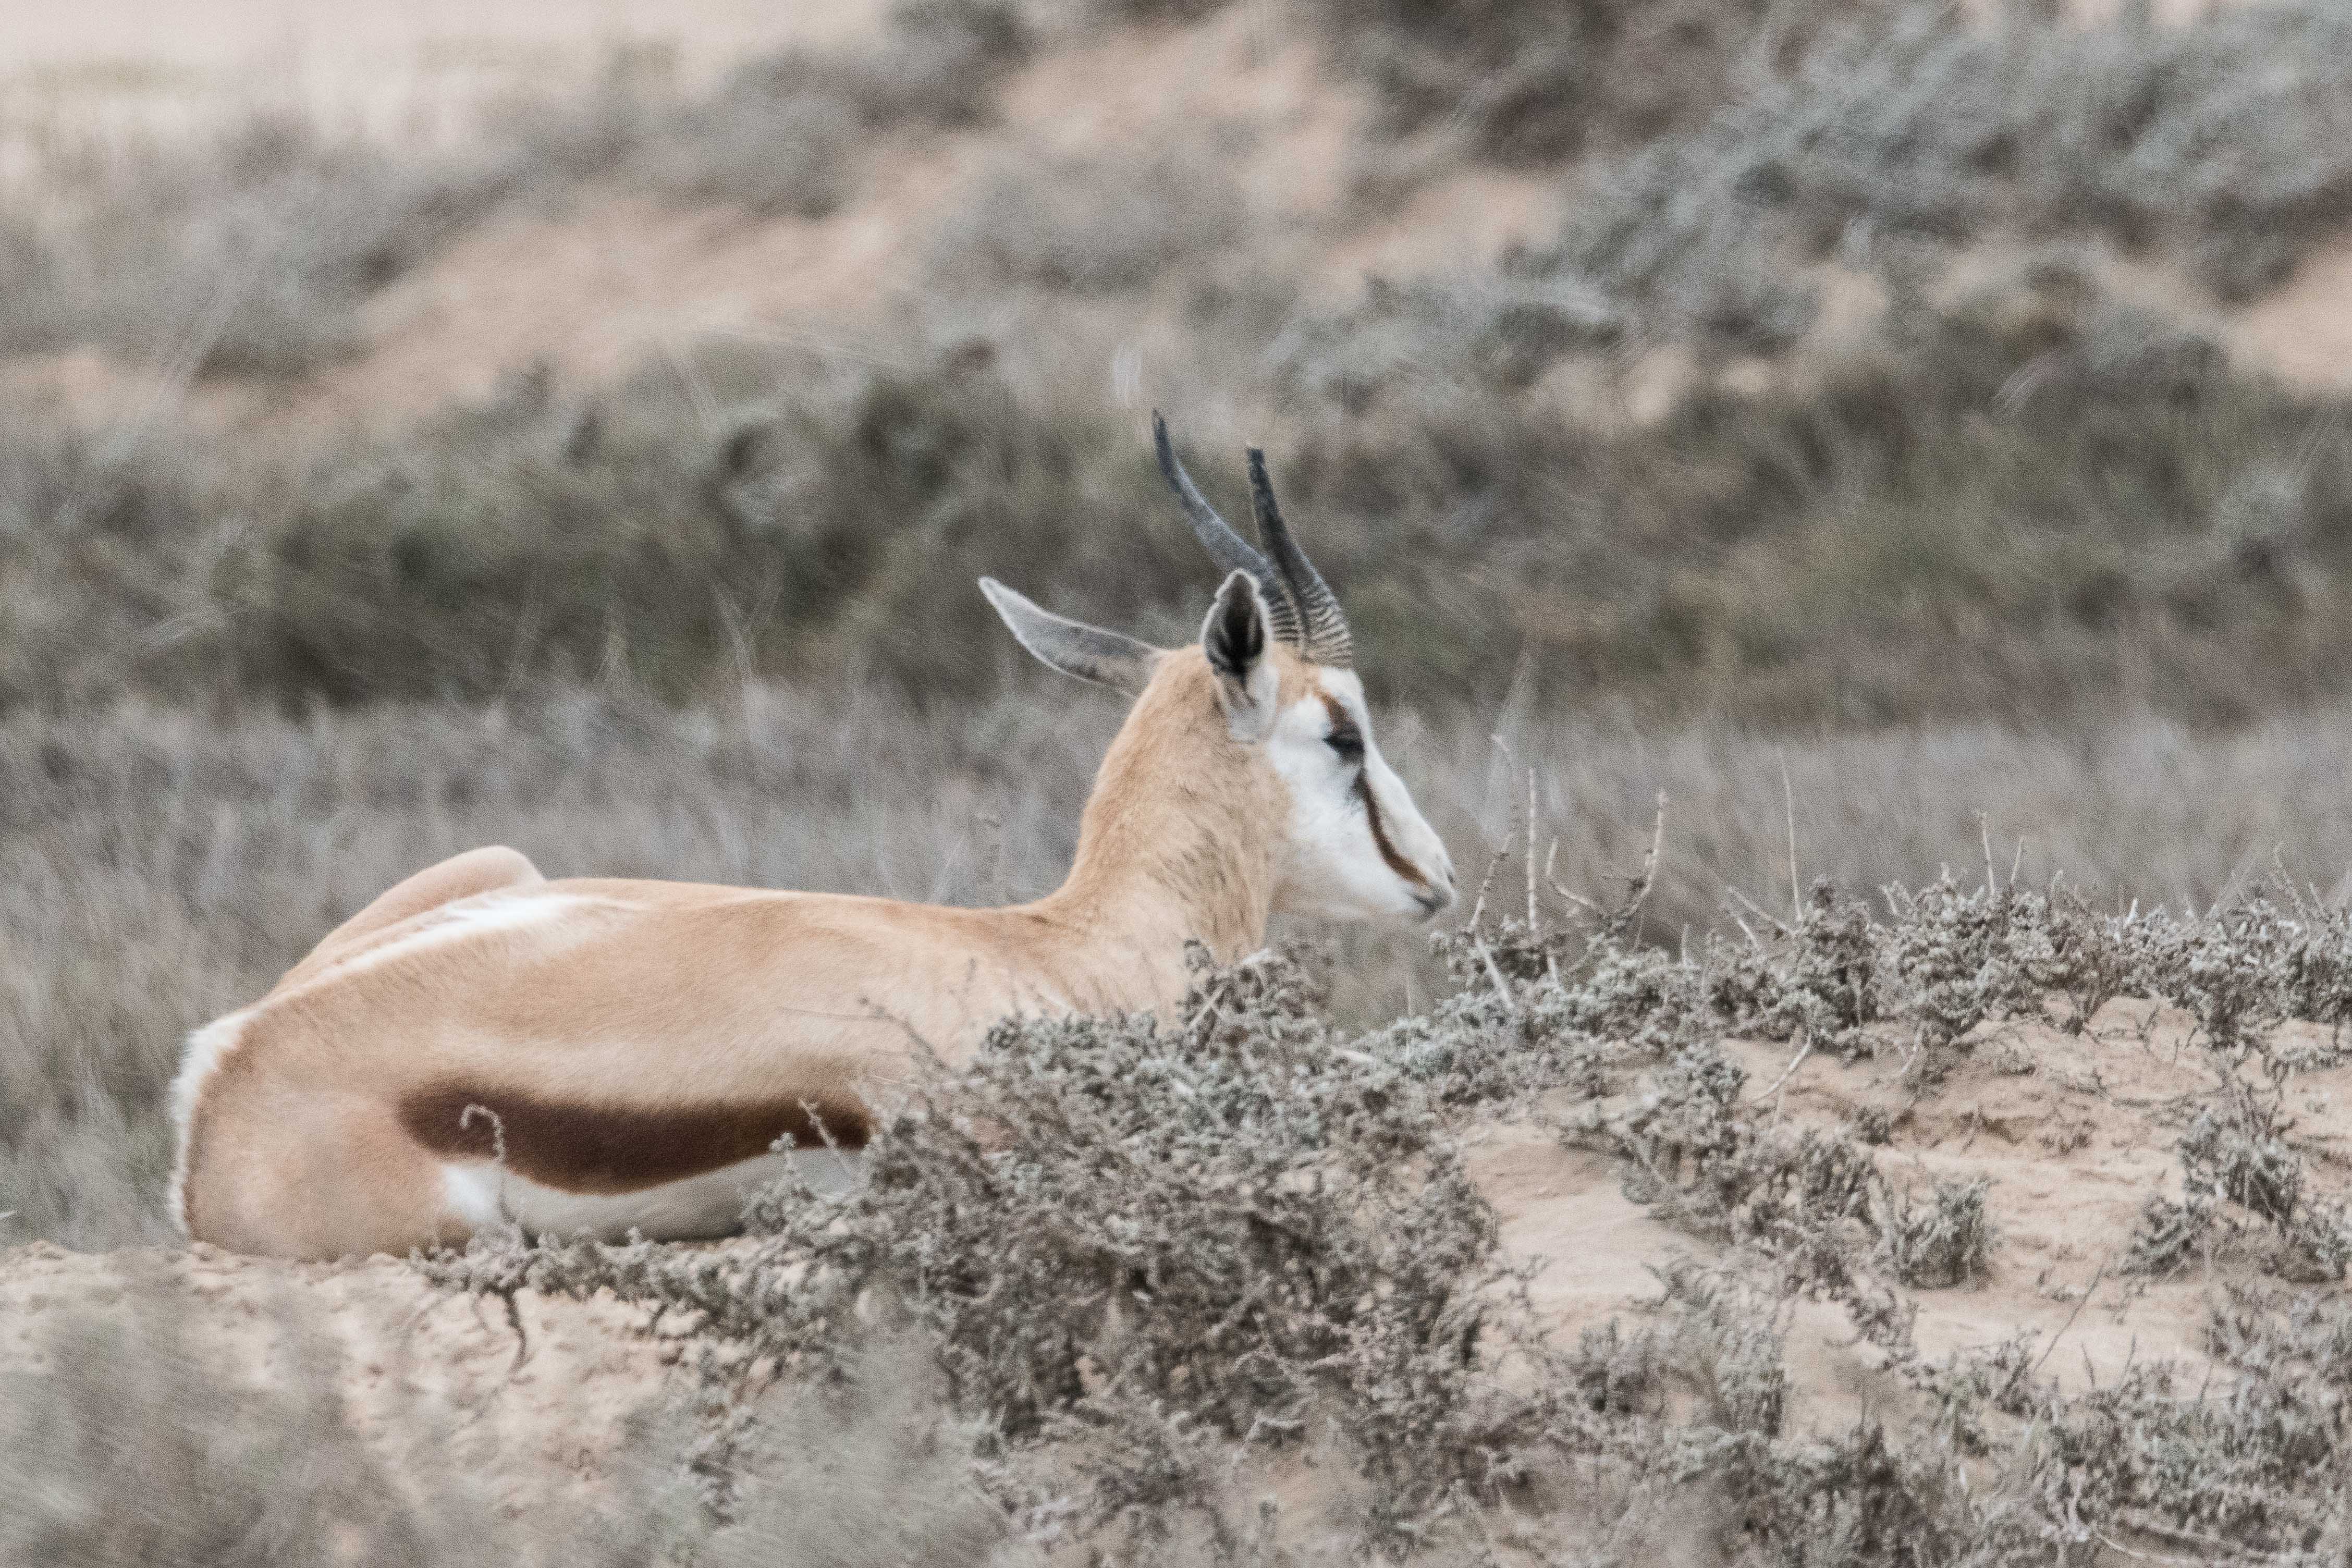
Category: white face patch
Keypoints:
(1358, 847)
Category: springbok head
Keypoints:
(1285, 681)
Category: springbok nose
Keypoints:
(1437, 894)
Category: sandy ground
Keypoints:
(2073, 1131)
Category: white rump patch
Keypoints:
(486, 1197)
(198, 1060)
(484, 914)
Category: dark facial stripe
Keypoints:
(1342, 719)
(601, 1149)
(1396, 862)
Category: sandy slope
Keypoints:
(414, 1362)
(621, 281)
(2073, 1131)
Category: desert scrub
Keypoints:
(2233, 1454)
(2238, 1165)
(1086, 224)
(788, 132)
(1527, 82)
(1687, 1404)
(1926, 499)
(621, 535)
(1813, 1201)
(2220, 142)
(1227, 1220)
(1998, 1466)
(1881, 134)
(250, 251)
(1936, 128)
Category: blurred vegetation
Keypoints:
(2033, 504)
(252, 250)
(1886, 134)
(2027, 504)
(137, 1432)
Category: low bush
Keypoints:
(1086, 224)
(1535, 83)
(1747, 135)
(1222, 1224)
(621, 537)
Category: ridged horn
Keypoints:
(1325, 640)
(1229, 550)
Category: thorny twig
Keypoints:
(1794, 1062)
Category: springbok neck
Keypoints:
(1180, 830)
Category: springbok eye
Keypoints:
(1348, 740)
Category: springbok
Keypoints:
(481, 1046)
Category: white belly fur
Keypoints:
(487, 1196)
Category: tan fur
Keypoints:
(671, 1008)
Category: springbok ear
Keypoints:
(1234, 638)
(1073, 647)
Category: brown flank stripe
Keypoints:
(598, 1149)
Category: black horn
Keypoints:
(1229, 550)
(1324, 637)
